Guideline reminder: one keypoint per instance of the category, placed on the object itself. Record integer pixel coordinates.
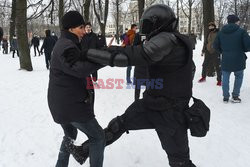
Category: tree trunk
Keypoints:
(86, 10)
(101, 22)
(61, 12)
(22, 38)
(178, 12)
(189, 17)
(235, 8)
(117, 21)
(208, 15)
(13, 19)
(141, 5)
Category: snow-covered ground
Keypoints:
(30, 138)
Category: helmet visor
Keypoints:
(146, 26)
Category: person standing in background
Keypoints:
(5, 45)
(90, 41)
(212, 57)
(14, 46)
(232, 41)
(35, 42)
(54, 36)
(102, 43)
(48, 45)
(130, 35)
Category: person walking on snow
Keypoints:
(232, 41)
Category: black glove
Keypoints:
(72, 55)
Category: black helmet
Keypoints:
(158, 18)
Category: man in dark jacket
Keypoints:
(102, 43)
(14, 46)
(232, 41)
(36, 42)
(48, 45)
(168, 55)
(53, 34)
(212, 57)
(5, 45)
(90, 41)
(70, 101)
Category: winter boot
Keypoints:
(182, 164)
(203, 79)
(225, 100)
(219, 83)
(77, 151)
(236, 99)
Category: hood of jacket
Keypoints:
(230, 28)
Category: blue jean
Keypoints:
(128, 74)
(237, 83)
(96, 137)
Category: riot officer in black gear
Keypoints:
(168, 56)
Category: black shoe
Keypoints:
(225, 100)
(182, 164)
(236, 99)
(77, 151)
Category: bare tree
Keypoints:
(86, 7)
(208, 15)
(188, 5)
(13, 19)
(221, 6)
(22, 38)
(141, 5)
(199, 18)
(60, 12)
(101, 14)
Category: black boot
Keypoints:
(79, 152)
(182, 164)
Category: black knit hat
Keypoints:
(72, 19)
(232, 18)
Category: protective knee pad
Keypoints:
(114, 130)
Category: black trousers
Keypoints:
(211, 62)
(170, 126)
(13, 54)
(47, 59)
(36, 49)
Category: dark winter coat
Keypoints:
(91, 41)
(140, 72)
(101, 41)
(48, 44)
(232, 41)
(193, 40)
(35, 41)
(55, 37)
(208, 45)
(5, 43)
(68, 97)
(13, 44)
